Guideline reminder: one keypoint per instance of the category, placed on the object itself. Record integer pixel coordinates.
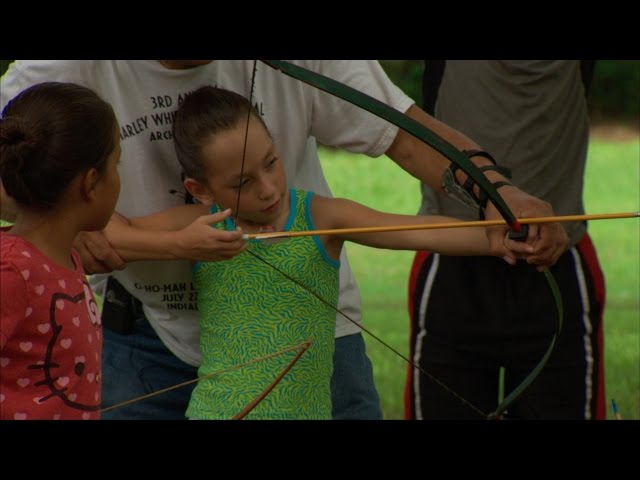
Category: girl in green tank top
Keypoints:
(249, 310)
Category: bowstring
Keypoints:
(246, 137)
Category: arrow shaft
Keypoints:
(435, 226)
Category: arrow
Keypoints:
(436, 226)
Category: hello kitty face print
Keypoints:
(51, 361)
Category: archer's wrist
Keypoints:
(459, 185)
(504, 188)
(485, 162)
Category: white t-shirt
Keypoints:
(145, 96)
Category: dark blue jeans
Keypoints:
(138, 364)
(353, 393)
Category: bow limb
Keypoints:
(303, 347)
(529, 379)
(424, 134)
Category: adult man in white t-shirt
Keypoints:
(162, 348)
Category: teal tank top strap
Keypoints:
(306, 198)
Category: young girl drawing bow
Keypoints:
(59, 149)
(248, 309)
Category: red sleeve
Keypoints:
(13, 306)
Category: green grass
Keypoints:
(611, 185)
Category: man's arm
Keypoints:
(181, 233)
(428, 165)
(421, 160)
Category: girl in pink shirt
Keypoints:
(59, 150)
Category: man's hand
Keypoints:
(545, 242)
(97, 254)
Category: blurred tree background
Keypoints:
(3, 66)
(615, 91)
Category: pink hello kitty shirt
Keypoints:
(50, 337)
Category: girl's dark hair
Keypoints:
(49, 133)
(204, 113)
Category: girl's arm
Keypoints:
(179, 233)
(172, 219)
(343, 213)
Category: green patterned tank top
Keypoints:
(248, 310)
